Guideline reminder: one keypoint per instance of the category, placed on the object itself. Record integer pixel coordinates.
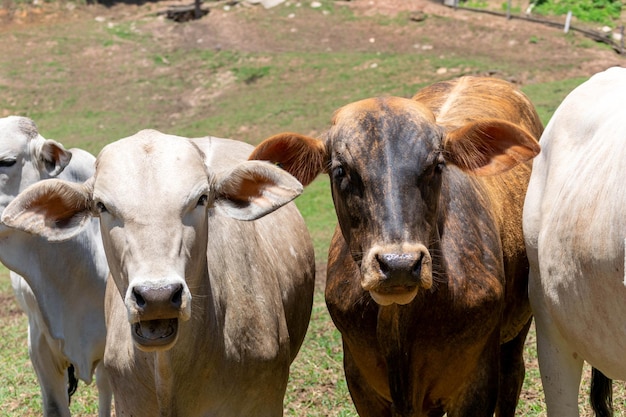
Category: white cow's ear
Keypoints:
(253, 189)
(53, 157)
(489, 147)
(54, 209)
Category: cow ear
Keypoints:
(253, 189)
(54, 209)
(54, 157)
(301, 156)
(489, 147)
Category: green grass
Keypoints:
(316, 387)
(318, 210)
(606, 12)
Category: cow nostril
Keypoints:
(403, 266)
(382, 264)
(167, 296)
(417, 268)
(141, 302)
(177, 297)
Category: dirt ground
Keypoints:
(541, 52)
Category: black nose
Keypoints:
(400, 268)
(158, 298)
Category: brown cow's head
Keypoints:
(386, 158)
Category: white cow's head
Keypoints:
(26, 157)
(153, 193)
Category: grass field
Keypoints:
(87, 83)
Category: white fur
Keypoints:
(575, 229)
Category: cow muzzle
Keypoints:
(396, 273)
(154, 313)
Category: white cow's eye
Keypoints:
(7, 163)
(101, 207)
(202, 201)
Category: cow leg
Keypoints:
(50, 373)
(105, 391)
(512, 371)
(559, 366)
(367, 401)
(561, 371)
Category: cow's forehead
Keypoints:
(151, 150)
(373, 125)
(147, 163)
(383, 107)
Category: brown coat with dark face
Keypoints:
(427, 270)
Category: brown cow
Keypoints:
(427, 271)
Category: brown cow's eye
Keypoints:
(440, 163)
(341, 179)
(339, 172)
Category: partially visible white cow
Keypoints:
(205, 312)
(575, 226)
(63, 284)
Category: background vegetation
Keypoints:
(599, 11)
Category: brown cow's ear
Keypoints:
(489, 147)
(302, 156)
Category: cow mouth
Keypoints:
(395, 289)
(396, 294)
(155, 333)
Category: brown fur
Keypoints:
(456, 346)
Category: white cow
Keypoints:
(205, 312)
(575, 226)
(62, 291)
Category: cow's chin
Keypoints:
(400, 296)
(152, 335)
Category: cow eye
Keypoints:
(440, 164)
(4, 163)
(341, 178)
(202, 201)
(339, 172)
(101, 207)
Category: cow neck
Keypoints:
(164, 383)
(392, 336)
